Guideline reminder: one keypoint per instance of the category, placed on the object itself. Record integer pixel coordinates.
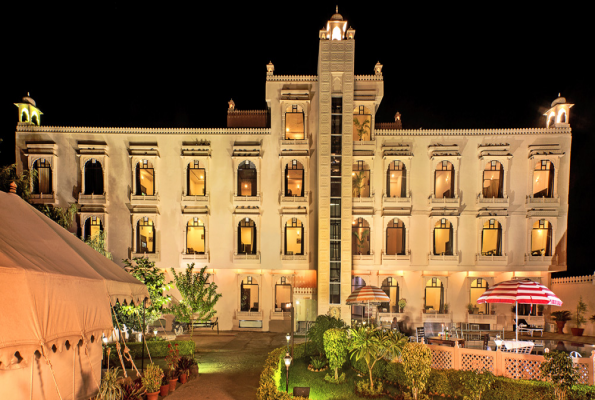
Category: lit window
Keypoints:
(92, 228)
(358, 311)
(492, 180)
(145, 178)
(396, 180)
(197, 179)
(294, 237)
(395, 237)
(543, 179)
(282, 295)
(541, 238)
(478, 288)
(491, 238)
(294, 179)
(42, 177)
(434, 298)
(145, 236)
(444, 181)
(361, 237)
(360, 179)
(247, 179)
(362, 121)
(294, 123)
(195, 237)
(249, 294)
(443, 238)
(247, 237)
(391, 288)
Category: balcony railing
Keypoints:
(363, 200)
(294, 257)
(42, 198)
(91, 198)
(392, 202)
(198, 200)
(247, 257)
(443, 257)
(140, 199)
(550, 201)
(363, 258)
(293, 200)
(280, 315)
(436, 317)
(550, 260)
(195, 256)
(298, 290)
(492, 201)
(397, 258)
(491, 260)
(248, 314)
(444, 201)
(247, 200)
(482, 319)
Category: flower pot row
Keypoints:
(170, 386)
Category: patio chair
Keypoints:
(529, 329)
(521, 348)
(486, 339)
(420, 333)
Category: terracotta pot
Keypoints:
(577, 331)
(172, 384)
(183, 378)
(152, 396)
(560, 325)
(164, 390)
(194, 370)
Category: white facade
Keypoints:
(519, 203)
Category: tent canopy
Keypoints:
(54, 287)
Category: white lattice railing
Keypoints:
(574, 279)
(510, 365)
(294, 257)
(543, 200)
(492, 200)
(304, 290)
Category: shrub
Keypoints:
(558, 368)
(336, 348)
(270, 377)
(332, 379)
(318, 362)
(110, 389)
(364, 387)
(417, 362)
(475, 384)
(132, 389)
(152, 378)
(321, 325)
(157, 349)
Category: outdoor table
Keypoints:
(450, 342)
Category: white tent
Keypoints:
(55, 305)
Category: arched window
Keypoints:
(493, 179)
(337, 34)
(478, 287)
(42, 178)
(491, 238)
(247, 179)
(391, 288)
(444, 180)
(294, 179)
(360, 179)
(294, 123)
(93, 177)
(357, 311)
(92, 227)
(282, 295)
(362, 122)
(562, 116)
(197, 179)
(195, 237)
(541, 238)
(145, 236)
(543, 179)
(551, 120)
(249, 293)
(247, 237)
(25, 115)
(434, 298)
(443, 238)
(361, 237)
(395, 237)
(396, 180)
(294, 237)
(35, 119)
(145, 178)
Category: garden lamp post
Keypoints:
(290, 306)
(287, 360)
(288, 337)
(155, 332)
(105, 361)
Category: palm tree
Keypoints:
(360, 240)
(363, 128)
(358, 183)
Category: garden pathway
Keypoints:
(230, 365)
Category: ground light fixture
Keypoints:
(105, 361)
(287, 360)
(288, 337)
(498, 342)
(155, 332)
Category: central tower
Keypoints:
(335, 144)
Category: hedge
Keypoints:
(270, 378)
(158, 349)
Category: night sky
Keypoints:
(173, 64)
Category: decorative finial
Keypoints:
(13, 188)
(28, 95)
(558, 94)
(232, 105)
(337, 9)
(270, 68)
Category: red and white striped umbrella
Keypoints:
(367, 294)
(523, 291)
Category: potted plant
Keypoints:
(470, 307)
(361, 240)
(152, 381)
(164, 391)
(183, 368)
(172, 359)
(579, 317)
(110, 387)
(193, 367)
(445, 308)
(402, 304)
(560, 317)
(540, 309)
(132, 389)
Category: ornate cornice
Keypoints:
(292, 78)
(144, 131)
(368, 77)
(472, 132)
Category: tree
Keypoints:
(321, 325)
(417, 364)
(373, 345)
(198, 296)
(362, 128)
(361, 240)
(154, 279)
(97, 242)
(559, 369)
(336, 349)
(62, 216)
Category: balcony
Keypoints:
(364, 146)
(91, 199)
(280, 315)
(294, 147)
(443, 258)
(444, 202)
(195, 201)
(149, 256)
(300, 290)
(195, 257)
(42, 198)
(289, 201)
(436, 317)
(143, 200)
(248, 315)
(246, 201)
(542, 201)
(294, 259)
(247, 258)
(363, 259)
(491, 260)
(482, 319)
(541, 260)
(492, 202)
(363, 201)
(396, 202)
(397, 259)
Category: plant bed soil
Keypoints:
(311, 368)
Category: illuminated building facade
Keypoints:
(313, 197)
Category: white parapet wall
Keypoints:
(569, 290)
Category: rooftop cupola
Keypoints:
(28, 111)
(336, 28)
(557, 116)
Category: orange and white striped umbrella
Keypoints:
(522, 291)
(367, 294)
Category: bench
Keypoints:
(530, 329)
(207, 324)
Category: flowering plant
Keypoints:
(172, 359)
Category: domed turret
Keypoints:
(28, 111)
(336, 28)
(558, 115)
